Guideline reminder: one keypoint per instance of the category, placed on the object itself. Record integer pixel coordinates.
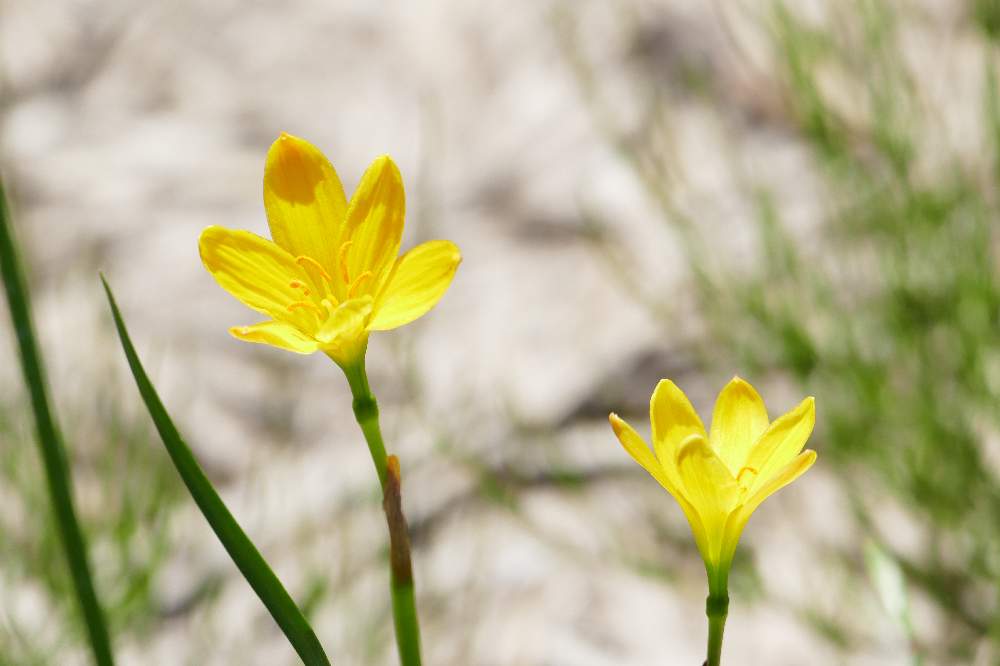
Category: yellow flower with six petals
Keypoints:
(332, 273)
(720, 478)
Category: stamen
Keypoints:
(746, 470)
(298, 284)
(342, 261)
(352, 290)
(309, 305)
(303, 260)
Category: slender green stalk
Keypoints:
(366, 413)
(716, 608)
(50, 443)
(404, 615)
(716, 625)
(404, 607)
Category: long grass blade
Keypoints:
(244, 554)
(50, 442)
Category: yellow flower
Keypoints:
(719, 479)
(332, 274)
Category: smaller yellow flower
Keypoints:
(331, 274)
(719, 479)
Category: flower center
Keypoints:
(326, 301)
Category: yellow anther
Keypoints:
(342, 261)
(352, 290)
(298, 284)
(304, 261)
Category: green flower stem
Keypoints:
(716, 625)
(716, 608)
(404, 607)
(366, 413)
(404, 614)
(50, 443)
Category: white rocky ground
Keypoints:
(128, 127)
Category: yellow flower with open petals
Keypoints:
(332, 273)
(719, 479)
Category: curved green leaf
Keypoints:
(245, 555)
(57, 472)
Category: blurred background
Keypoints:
(803, 193)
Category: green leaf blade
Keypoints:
(57, 473)
(242, 551)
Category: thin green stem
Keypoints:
(404, 613)
(50, 443)
(404, 607)
(717, 609)
(366, 413)
(716, 625)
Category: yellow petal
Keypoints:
(418, 281)
(780, 443)
(706, 481)
(739, 518)
(636, 447)
(673, 420)
(709, 487)
(346, 324)
(785, 475)
(304, 200)
(257, 272)
(277, 334)
(375, 220)
(738, 421)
